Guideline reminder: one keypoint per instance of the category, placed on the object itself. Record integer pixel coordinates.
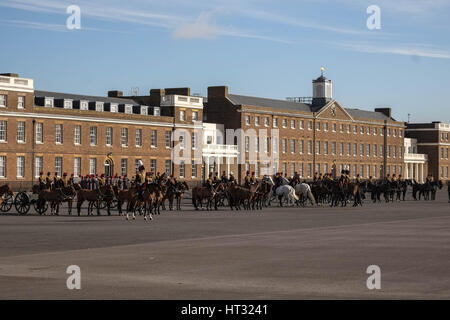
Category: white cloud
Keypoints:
(202, 28)
(425, 51)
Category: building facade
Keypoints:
(433, 140)
(59, 132)
(308, 136)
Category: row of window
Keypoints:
(93, 135)
(4, 101)
(323, 147)
(305, 170)
(334, 126)
(93, 166)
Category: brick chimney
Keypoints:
(12, 75)
(386, 111)
(115, 94)
(179, 91)
(217, 92)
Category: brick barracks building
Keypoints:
(433, 139)
(58, 132)
(315, 135)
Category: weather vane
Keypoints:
(322, 69)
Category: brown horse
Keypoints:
(5, 190)
(54, 197)
(126, 195)
(93, 197)
(203, 193)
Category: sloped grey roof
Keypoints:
(357, 113)
(268, 103)
(58, 95)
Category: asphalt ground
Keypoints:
(276, 253)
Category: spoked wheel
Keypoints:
(22, 203)
(41, 206)
(102, 204)
(113, 204)
(6, 203)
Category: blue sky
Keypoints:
(262, 48)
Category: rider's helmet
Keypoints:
(65, 174)
(248, 172)
(141, 168)
(48, 173)
(41, 173)
(253, 173)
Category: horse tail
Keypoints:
(294, 195)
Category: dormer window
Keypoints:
(113, 107)
(128, 108)
(156, 111)
(144, 110)
(84, 105)
(67, 104)
(49, 102)
(98, 106)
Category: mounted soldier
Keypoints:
(64, 181)
(140, 181)
(247, 179)
(231, 178)
(42, 183)
(125, 182)
(56, 179)
(210, 182)
(253, 179)
(48, 181)
(223, 178)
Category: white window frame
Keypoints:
(59, 134)
(124, 137)
(38, 165)
(58, 165)
(92, 165)
(20, 172)
(2, 167)
(77, 134)
(138, 138)
(39, 132)
(77, 166)
(21, 102)
(109, 136)
(3, 100)
(21, 132)
(3, 131)
(154, 139)
(93, 135)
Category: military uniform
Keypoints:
(42, 182)
(247, 179)
(48, 181)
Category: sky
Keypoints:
(271, 49)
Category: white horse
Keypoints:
(284, 192)
(303, 191)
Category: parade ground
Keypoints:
(276, 253)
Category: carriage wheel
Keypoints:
(102, 204)
(40, 206)
(113, 204)
(22, 203)
(6, 203)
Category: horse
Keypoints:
(54, 197)
(177, 194)
(283, 192)
(303, 191)
(5, 190)
(204, 193)
(125, 195)
(94, 197)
